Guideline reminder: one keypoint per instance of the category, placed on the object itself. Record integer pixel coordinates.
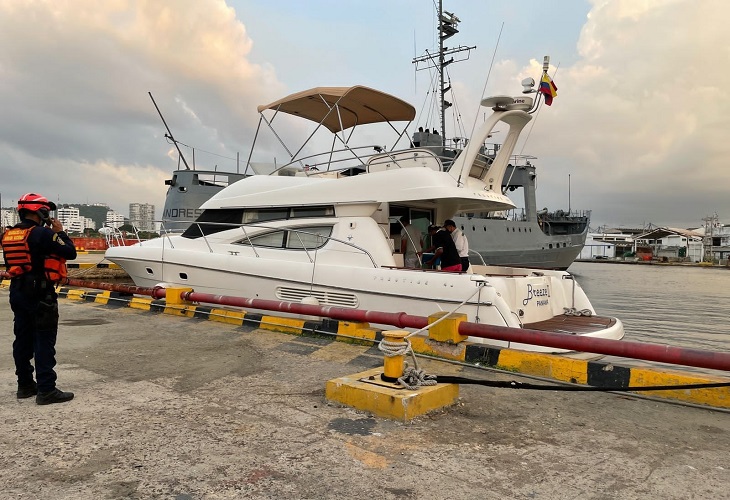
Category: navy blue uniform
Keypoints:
(34, 302)
(443, 239)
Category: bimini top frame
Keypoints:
(339, 109)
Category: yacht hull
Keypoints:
(498, 296)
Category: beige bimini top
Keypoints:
(357, 105)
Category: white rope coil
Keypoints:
(414, 378)
(391, 349)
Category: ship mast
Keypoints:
(447, 27)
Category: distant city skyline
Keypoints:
(141, 215)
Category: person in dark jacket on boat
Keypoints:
(462, 244)
(442, 246)
(35, 253)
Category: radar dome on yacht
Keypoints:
(497, 101)
(527, 85)
(521, 102)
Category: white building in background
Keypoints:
(142, 216)
(670, 244)
(70, 219)
(89, 223)
(73, 221)
(609, 243)
(8, 217)
(114, 219)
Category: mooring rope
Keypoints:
(414, 377)
(513, 384)
(572, 311)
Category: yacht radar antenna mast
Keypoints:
(447, 26)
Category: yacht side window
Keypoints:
(273, 239)
(309, 238)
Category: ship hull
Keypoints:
(520, 244)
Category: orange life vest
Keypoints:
(54, 268)
(16, 251)
(18, 259)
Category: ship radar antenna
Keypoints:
(169, 134)
(448, 24)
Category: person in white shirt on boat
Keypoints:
(411, 243)
(461, 242)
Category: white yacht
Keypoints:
(324, 226)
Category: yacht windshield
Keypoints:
(214, 221)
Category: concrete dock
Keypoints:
(182, 408)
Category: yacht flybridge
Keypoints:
(324, 225)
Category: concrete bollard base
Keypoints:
(366, 391)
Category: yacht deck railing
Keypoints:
(343, 159)
(166, 235)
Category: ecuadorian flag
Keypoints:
(548, 87)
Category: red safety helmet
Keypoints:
(34, 203)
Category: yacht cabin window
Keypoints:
(213, 221)
(264, 214)
(299, 212)
(309, 238)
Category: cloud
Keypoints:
(75, 77)
(639, 120)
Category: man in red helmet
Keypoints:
(35, 251)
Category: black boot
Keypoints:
(55, 396)
(27, 390)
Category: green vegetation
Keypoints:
(94, 212)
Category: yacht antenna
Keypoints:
(169, 133)
(447, 26)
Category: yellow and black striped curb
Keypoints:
(89, 265)
(559, 368)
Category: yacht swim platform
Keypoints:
(573, 325)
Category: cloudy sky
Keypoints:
(639, 126)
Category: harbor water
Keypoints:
(683, 306)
